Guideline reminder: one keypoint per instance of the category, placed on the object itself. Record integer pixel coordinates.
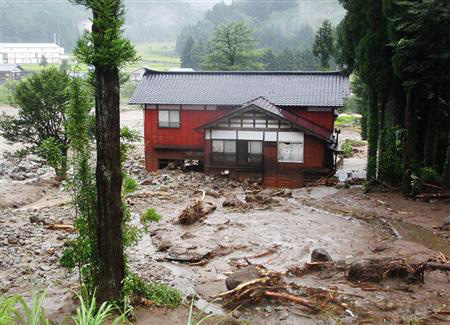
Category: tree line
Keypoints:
(400, 52)
(233, 47)
(279, 39)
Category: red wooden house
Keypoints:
(277, 126)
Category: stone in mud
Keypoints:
(446, 224)
(320, 255)
(232, 201)
(243, 275)
(164, 245)
(13, 239)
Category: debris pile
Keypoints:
(196, 212)
(376, 270)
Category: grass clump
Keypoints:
(349, 144)
(91, 314)
(15, 310)
(348, 120)
(159, 294)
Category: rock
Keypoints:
(232, 201)
(268, 309)
(236, 314)
(213, 194)
(34, 219)
(284, 315)
(320, 255)
(446, 224)
(187, 235)
(243, 275)
(164, 245)
(13, 239)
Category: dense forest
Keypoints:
(400, 52)
(283, 32)
(277, 25)
(38, 21)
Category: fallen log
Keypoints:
(188, 260)
(292, 298)
(433, 196)
(56, 226)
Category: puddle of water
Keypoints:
(422, 236)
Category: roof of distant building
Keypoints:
(10, 67)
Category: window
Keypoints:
(224, 146)
(169, 119)
(290, 152)
(223, 152)
(255, 147)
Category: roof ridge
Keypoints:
(338, 72)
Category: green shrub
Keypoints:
(150, 216)
(423, 175)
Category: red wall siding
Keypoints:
(184, 136)
(290, 175)
(325, 119)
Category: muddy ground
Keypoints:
(348, 223)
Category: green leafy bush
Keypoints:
(150, 216)
(423, 175)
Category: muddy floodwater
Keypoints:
(278, 233)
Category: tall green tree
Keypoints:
(400, 50)
(187, 57)
(231, 48)
(323, 47)
(41, 99)
(107, 50)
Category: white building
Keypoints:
(17, 53)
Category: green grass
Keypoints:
(348, 120)
(36, 67)
(160, 294)
(153, 55)
(349, 144)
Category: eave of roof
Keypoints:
(266, 107)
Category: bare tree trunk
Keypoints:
(432, 131)
(409, 144)
(410, 127)
(109, 185)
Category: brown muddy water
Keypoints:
(420, 235)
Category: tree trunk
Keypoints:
(447, 162)
(410, 130)
(432, 131)
(372, 136)
(109, 185)
(409, 145)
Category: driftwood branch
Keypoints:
(292, 298)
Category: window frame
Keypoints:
(170, 125)
(302, 152)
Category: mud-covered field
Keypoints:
(279, 230)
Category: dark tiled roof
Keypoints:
(10, 67)
(235, 88)
(269, 108)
